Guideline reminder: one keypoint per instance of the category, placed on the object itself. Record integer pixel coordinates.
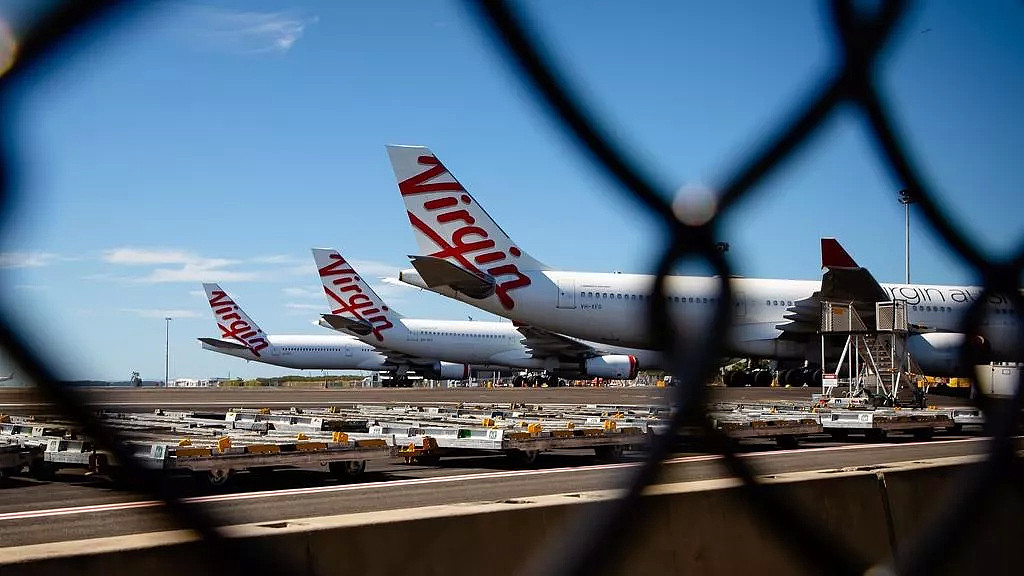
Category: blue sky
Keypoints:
(220, 141)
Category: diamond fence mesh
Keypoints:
(860, 36)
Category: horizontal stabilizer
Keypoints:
(223, 344)
(438, 272)
(360, 327)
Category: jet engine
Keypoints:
(938, 353)
(449, 371)
(614, 366)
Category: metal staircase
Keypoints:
(874, 362)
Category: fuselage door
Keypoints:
(740, 306)
(348, 351)
(567, 293)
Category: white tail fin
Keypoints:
(350, 296)
(233, 322)
(449, 223)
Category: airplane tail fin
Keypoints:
(833, 255)
(354, 305)
(447, 221)
(233, 322)
(450, 224)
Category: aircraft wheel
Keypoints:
(762, 378)
(794, 377)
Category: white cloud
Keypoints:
(162, 313)
(242, 31)
(145, 256)
(26, 259)
(190, 267)
(298, 292)
(197, 272)
(278, 259)
(303, 306)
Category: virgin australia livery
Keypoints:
(241, 337)
(467, 256)
(357, 309)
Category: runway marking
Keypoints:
(435, 480)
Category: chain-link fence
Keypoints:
(860, 35)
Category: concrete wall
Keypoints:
(691, 528)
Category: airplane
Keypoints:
(465, 255)
(6, 378)
(243, 338)
(358, 310)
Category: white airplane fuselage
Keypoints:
(483, 343)
(312, 352)
(612, 308)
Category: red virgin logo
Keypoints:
(469, 245)
(233, 326)
(350, 298)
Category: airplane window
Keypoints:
(590, 294)
(705, 301)
(767, 302)
(789, 303)
(619, 296)
(676, 298)
(928, 308)
(775, 302)
(582, 294)
(691, 300)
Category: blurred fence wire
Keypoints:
(861, 35)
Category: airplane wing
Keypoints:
(544, 343)
(223, 344)
(437, 272)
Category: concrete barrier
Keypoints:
(701, 527)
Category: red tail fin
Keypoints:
(833, 255)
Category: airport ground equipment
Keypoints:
(14, 456)
(874, 361)
(209, 446)
(342, 438)
(999, 379)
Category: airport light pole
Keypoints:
(167, 348)
(906, 198)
